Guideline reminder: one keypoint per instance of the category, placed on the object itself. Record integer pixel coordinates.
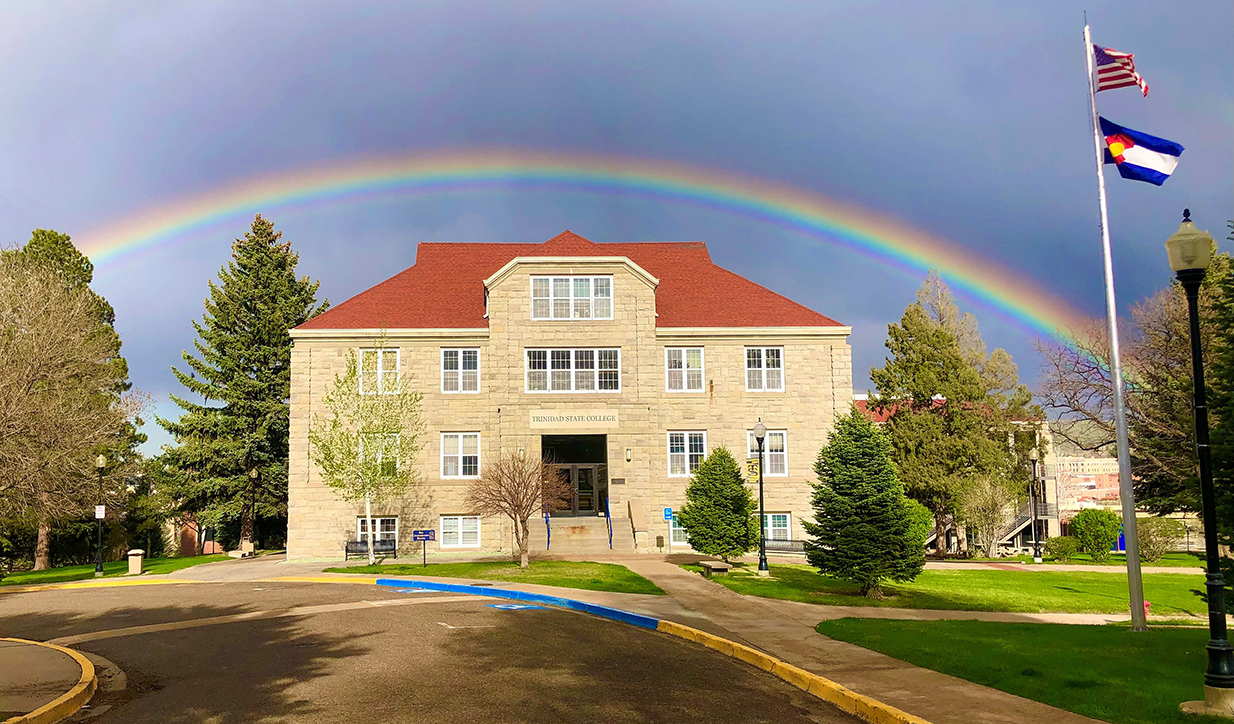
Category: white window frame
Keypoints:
(762, 369)
(573, 370)
(382, 371)
(381, 452)
(674, 528)
(685, 369)
(459, 351)
(752, 451)
(787, 527)
(441, 530)
(457, 452)
(686, 435)
(381, 534)
(575, 302)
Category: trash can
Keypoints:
(136, 556)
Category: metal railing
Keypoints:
(609, 517)
(548, 532)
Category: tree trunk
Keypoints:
(42, 547)
(961, 533)
(523, 545)
(940, 536)
(368, 515)
(199, 547)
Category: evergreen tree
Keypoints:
(719, 514)
(230, 457)
(865, 529)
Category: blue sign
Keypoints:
(513, 606)
(423, 535)
(668, 513)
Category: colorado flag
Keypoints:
(1139, 156)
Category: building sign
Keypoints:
(572, 419)
(424, 535)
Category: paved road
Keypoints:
(298, 652)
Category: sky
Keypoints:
(967, 121)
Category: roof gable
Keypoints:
(445, 288)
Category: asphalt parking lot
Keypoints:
(303, 652)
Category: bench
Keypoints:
(714, 568)
(360, 548)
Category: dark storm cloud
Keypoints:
(966, 120)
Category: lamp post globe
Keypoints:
(1190, 252)
(760, 433)
(100, 462)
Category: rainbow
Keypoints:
(841, 225)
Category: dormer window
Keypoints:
(572, 297)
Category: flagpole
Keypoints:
(1135, 583)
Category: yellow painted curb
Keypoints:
(68, 703)
(97, 583)
(318, 579)
(846, 700)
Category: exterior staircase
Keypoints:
(581, 535)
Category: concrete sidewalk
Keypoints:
(33, 676)
(786, 630)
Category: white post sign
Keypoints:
(100, 512)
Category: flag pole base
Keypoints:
(1217, 702)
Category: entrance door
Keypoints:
(588, 488)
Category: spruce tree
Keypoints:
(863, 529)
(719, 514)
(230, 457)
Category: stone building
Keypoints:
(626, 362)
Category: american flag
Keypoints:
(1116, 70)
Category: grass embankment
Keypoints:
(1118, 560)
(1105, 672)
(110, 568)
(566, 574)
(980, 590)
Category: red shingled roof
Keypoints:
(445, 288)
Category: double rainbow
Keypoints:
(799, 212)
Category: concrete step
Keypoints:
(582, 535)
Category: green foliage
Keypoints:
(920, 522)
(230, 459)
(865, 531)
(953, 406)
(1096, 532)
(1061, 548)
(1158, 536)
(719, 514)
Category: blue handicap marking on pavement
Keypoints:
(416, 590)
(512, 606)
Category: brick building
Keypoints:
(627, 362)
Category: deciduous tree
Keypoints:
(519, 487)
(989, 508)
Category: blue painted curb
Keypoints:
(615, 614)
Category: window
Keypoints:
(378, 371)
(573, 370)
(683, 368)
(380, 449)
(686, 451)
(764, 369)
(775, 453)
(571, 297)
(460, 455)
(460, 531)
(460, 370)
(386, 527)
(775, 526)
(678, 533)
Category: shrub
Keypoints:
(865, 530)
(720, 513)
(1096, 532)
(1158, 536)
(1061, 548)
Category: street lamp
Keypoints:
(760, 433)
(1190, 250)
(1032, 500)
(100, 462)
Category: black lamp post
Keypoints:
(1190, 251)
(760, 433)
(1032, 500)
(100, 462)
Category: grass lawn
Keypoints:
(111, 568)
(1105, 672)
(567, 574)
(980, 590)
(1171, 560)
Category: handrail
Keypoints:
(548, 532)
(609, 517)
